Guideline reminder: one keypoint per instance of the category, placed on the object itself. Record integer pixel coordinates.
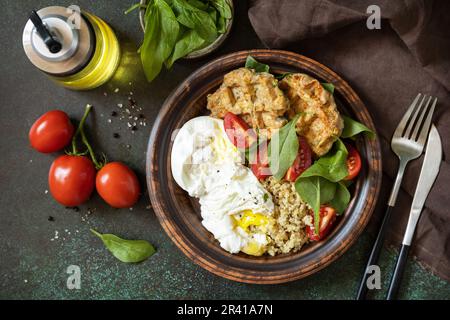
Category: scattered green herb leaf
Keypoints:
(282, 76)
(352, 128)
(328, 86)
(126, 250)
(252, 63)
(283, 148)
(265, 197)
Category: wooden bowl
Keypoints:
(179, 214)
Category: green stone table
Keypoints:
(34, 267)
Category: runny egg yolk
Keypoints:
(247, 219)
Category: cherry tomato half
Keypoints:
(302, 162)
(71, 179)
(118, 185)
(353, 162)
(261, 168)
(238, 131)
(51, 132)
(327, 218)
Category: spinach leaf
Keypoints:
(198, 4)
(332, 166)
(196, 19)
(252, 63)
(282, 76)
(221, 25)
(352, 128)
(222, 7)
(283, 148)
(341, 198)
(189, 42)
(328, 86)
(315, 191)
(126, 250)
(161, 32)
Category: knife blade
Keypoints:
(428, 174)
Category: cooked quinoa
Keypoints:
(287, 232)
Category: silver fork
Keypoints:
(407, 143)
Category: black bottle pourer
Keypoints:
(53, 45)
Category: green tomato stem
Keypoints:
(80, 126)
(85, 141)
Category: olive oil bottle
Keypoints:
(77, 49)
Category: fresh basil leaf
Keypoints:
(161, 33)
(341, 198)
(252, 63)
(328, 86)
(332, 166)
(315, 191)
(352, 128)
(126, 250)
(189, 42)
(222, 7)
(283, 148)
(196, 19)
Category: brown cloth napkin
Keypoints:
(387, 68)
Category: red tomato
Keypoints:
(51, 132)
(238, 131)
(117, 185)
(327, 218)
(353, 162)
(261, 167)
(71, 179)
(302, 162)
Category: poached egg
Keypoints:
(234, 205)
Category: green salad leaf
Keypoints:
(161, 33)
(328, 86)
(315, 191)
(194, 18)
(332, 166)
(126, 250)
(189, 41)
(223, 8)
(283, 148)
(341, 198)
(252, 63)
(352, 128)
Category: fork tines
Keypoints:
(413, 126)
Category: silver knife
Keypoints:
(428, 174)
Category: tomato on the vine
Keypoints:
(51, 132)
(118, 185)
(71, 179)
